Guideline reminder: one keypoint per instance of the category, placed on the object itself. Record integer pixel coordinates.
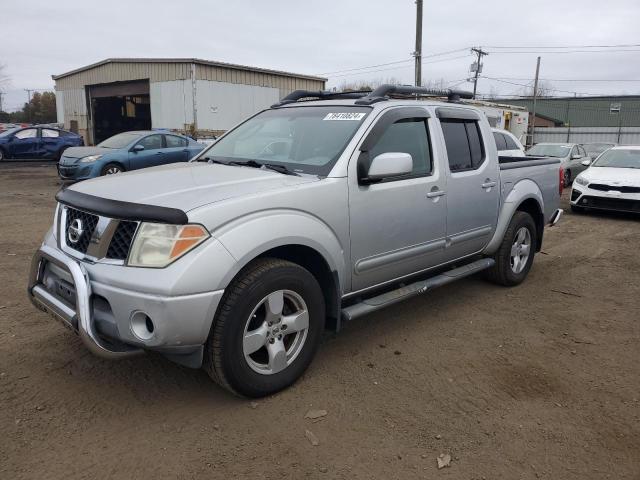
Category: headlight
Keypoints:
(582, 181)
(156, 245)
(90, 158)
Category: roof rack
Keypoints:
(383, 92)
(320, 95)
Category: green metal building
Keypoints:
(613, 111)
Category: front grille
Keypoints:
(88, 224)
(618, 188)
(575, 194)
(620, 204)
(121, 241)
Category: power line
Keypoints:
(397, 68)
(560, 51)
(573, 79)
(567, 46)
(433, 55)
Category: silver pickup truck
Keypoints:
(309, 214)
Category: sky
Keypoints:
(332, 38)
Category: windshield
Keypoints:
(596, 148)
(549, 150)
(619, 159)
(303, 139)
(120, 141)
(9, 132)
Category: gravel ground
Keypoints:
(538, 381)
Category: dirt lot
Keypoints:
(539, 381)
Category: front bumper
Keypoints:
(585, 197)
(114, 322)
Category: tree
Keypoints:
(41, 109)
(545, 89)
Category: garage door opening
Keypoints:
(119, 107)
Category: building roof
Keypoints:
(188, 60)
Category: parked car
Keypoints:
(612, 182)
(307, 212)
(594, 149)
(7, 126)
(507, 143)
(36, 142)
(571, 156)
(126, 151)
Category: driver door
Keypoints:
(397, 226)
(26, 143)
(152, 154)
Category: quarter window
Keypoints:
(27, 133)
(409, 135)
(464, 145)
(152, 142)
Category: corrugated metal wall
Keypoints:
(622, 136)
(60, 107)
(587, 112)
(171, 104)
(220, 105)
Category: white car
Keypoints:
(612, 182)
(507, 143)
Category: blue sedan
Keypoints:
(126, 151)
(37, 142)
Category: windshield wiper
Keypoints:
(271, 166)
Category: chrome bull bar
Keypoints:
(80, 320)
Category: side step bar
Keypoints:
(389, 298)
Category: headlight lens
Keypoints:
(582, 181)
(156, 245)
(90, 158)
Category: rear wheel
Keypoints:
(267, 328)
(112, 169)
(516, 252)
(567, 178)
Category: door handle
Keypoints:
(488, 184)
(435, 193)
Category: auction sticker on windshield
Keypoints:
(345, 116)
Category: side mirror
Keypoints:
(138, 148)
(388, 165)
(586, 162)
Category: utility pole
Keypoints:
(1, 94)
(418, 52)
(478, 67)
(535, 99)
(29, 90)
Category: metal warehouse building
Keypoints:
(613, 111)
(120, 94)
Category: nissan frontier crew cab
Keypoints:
(316, 211)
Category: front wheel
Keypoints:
(515, 255)
(2, 155)
(267, 328)
(112, 169)
(567, 178)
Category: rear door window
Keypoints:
(464, 144)
(511, 145)
(175, 142)
(500, 141)
(49, 133)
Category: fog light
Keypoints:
(142, 326)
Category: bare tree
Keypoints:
(545, 89)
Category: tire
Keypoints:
(567, 178)
(112, 169)
(2, 155)
(503, 272)
(250, 369)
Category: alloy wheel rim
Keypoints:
(275, 332)
(520, 250)
(113, 171)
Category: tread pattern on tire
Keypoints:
(498, 273)
(232, 296)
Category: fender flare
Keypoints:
(523, 190)
(279, 228)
